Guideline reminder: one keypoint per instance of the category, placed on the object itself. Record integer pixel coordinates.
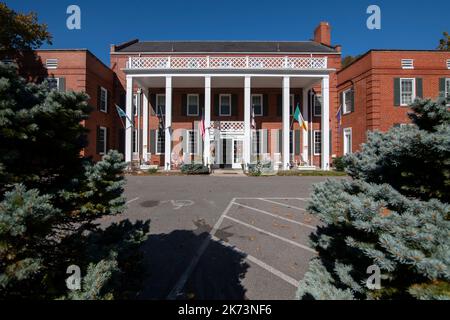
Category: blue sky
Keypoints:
(405, 24)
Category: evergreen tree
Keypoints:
(393, 214)
(51, 197)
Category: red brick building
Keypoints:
(246, 93)
(376, 89)
(79, 70)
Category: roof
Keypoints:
(224, 47)
(390, 50)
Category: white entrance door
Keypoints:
(238, 147)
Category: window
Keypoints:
(347, 101)
(160, 141)
(225, 105)
(192, 104)
(191, 143)
(291, 142)
(51, 63)
(257, 104)
(53, 83)
(160, 105)
(317, 105)
(135, 145)
(407, 64)
(407, 91)
(256, 146)
(347, 141)
(317, 143)
(101, 140)
(103, 100)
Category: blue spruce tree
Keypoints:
(393, 215)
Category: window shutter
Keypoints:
(108, 100)
(216, 105)
(279, 105)
(152, 109)
(62, 84)
(201, 104)
(234, 105)
(419, 88)
(397, 92)
(297, 142)
(265, 105)
(280, 140)
(184, 105)
(107, 140)
(442, 87)
(352, 100)
(152, 141)
(99, 146)
(99, 96)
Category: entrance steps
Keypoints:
(228, 173)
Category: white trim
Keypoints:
(156, 142)
(220, 104)
(51, 63)
(344, 104)
(345, 132)
(314, 142)
(261, 96)
(105, 139)
(413, 96)
(57, 82)
(159, 95)
(103, 90)
(198, 105)
(188, 142)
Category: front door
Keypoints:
(238, 146)
(227, 153)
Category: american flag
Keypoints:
(202, 126)
(253, 119)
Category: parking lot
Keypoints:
(223, 238)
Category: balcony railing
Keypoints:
(224, 63)
(227, 126)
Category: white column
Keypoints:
(286, 123)
(305, 112)
(206, 149)
(247, 120)
(145, 124)
(129, 126)
(168, 124)
(325, 161)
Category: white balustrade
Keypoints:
(230, 62)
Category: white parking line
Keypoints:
(283, 204)
(276, 216)
(283, 198)
(260, 263)
(201, 250)
(132, 200)
(271, 234)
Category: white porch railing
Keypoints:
(230, 62)
(234, 127)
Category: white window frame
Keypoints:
(198, 105)
(158, 96)
(447, 91)
(220, 105)
(262, 104)
(408, 64)
(316, 96)
(344, 104)
(345, 135)
(161, 152)
(105, 138)
(314, 142)
(413, 95)
(103, 91)
(188, 142)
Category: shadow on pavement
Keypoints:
(217, 276)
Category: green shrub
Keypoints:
(310, 173)
(152, 171)
(194, 169)
(339, 164)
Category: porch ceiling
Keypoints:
(225, 82)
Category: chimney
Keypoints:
(322, 34)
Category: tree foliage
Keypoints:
(51, 199)
(444, 43)
(393, 214)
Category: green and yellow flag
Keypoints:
(298, 116)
